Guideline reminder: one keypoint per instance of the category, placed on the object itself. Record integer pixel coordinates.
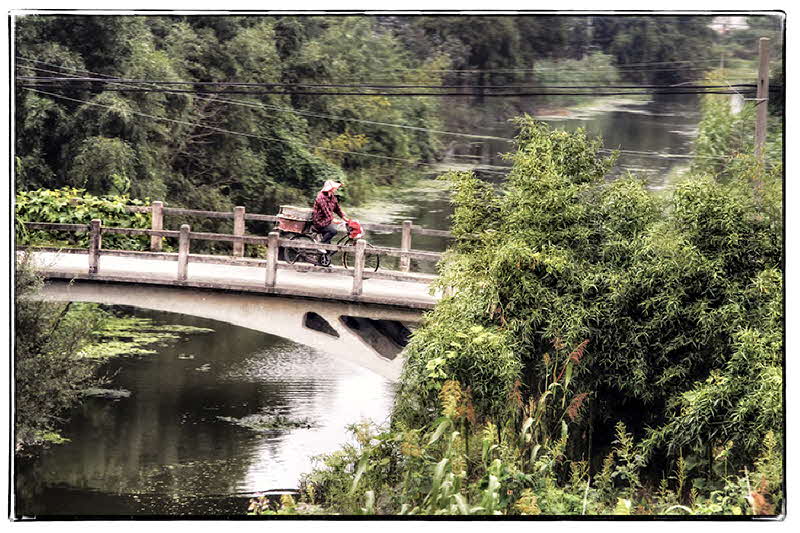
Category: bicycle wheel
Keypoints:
(293, 255)
(371, 261)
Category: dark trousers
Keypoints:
(327, 233)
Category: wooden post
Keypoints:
(358, 269)
(95, 239)
(238, 229)
(762, 96)
(183, 253)
(272, 258)
(405, 245)
(156, 223)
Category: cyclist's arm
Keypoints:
(338, 210)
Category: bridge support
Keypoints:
(405, 245)
(358, 268)
(238, 230)
(272, 258)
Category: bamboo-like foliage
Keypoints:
(669, 291)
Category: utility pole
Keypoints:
(762, 96)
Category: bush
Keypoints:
(76, 206)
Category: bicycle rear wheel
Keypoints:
(372, 262)
(293, 255)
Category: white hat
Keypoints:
(330, 184)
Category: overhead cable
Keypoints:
(53, 79)
(372, 94)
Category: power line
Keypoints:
(745, 75)
(317, 115)
(372, 94)
(262, 137)
(626, 68)
(546, 69)
(56, 80)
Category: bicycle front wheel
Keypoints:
(372, 262)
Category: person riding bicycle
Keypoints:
(325, 205)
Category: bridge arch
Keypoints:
(369, 335)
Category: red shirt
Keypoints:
(324, 207)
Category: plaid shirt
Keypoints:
(324, 207)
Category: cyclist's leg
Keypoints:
(327, 233)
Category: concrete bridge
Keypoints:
(363, 315)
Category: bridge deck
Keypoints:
(316, 285)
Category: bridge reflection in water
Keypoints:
(370, 335)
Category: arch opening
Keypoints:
(312, 320)
(386, 337)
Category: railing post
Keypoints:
(358, 270)
(94, 245)
(238, 229)
(156, 223)
(183, 253)
(272, 258)
(405, 245)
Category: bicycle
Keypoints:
(295, 224)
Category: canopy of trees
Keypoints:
(214, 151)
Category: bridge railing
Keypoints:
(272, 242)
(157, 212)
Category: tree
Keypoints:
(212, 151)
(663, 43)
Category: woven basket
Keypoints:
(294, 219)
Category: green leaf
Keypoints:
(362, 466)
(463, 507)
(439, 430)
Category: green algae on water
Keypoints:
(134, 336)
(111, 394)
(269, 421)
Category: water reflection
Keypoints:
(164, 449)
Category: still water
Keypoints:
(662, 127)
(165, 450)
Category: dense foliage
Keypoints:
(454, 466)
(49, 375)
(209, 152)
